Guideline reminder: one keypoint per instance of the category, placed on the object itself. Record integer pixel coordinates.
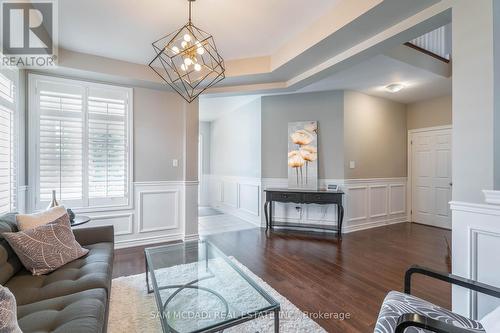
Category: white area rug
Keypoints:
(132, 309)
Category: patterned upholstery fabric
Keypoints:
(9, 262)
(8, 312)
(396, 304)
(47, 247)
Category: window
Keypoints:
(7, 141)
(82, 141)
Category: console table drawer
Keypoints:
(286, 197)
(322, 198)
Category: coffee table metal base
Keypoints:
(221, 328)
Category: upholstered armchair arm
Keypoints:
(415, 320)
(87, 236)
(450, 278)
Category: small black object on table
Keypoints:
(319, 197)
(79, 220)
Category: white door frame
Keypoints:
(409, 187)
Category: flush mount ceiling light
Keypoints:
(395, 87)
(188, 60)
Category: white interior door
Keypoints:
(431, 177)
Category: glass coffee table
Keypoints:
(198, 289)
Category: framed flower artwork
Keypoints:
(303, 155)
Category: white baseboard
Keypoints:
(371, 225)
(191, 238)
(125, 243)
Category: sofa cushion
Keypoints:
(9, 262)
(46, 248)
(397, 304)
(76, 313)
(94, 270)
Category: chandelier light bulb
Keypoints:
(188, 61)
(200, 50)
(187, 37)
(197, 67)
(175, 49)
(184, 44)
(183, 67)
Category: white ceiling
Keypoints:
(124, 29)
(371, 76)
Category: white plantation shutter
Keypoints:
(7, 143)
(60, 143)
(107, 145)
(82, 143)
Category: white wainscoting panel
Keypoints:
(368, 203)
(476, 240)
(378, 200)
(397, 199)
(151, 207)
(238, 196)
(230, 193)
(123, 223)
(374, 202)
(248, 198)
(357, 199)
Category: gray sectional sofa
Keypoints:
(74, 298)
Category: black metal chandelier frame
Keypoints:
(180, 77)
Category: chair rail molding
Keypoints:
(476, 240)
(492, 197)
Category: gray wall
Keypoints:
(235, 142)
(205, 133)
(430, 113)
(278, 111)
(375, 137)
(473, 100)
(158, 135)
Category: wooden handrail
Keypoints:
(429, 53)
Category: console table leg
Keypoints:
(271, 214)
(341, 219)
(266, 206)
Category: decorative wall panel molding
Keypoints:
(238, 196)
(476, 240)
(369, 202)
(123, 223)
(158, 210)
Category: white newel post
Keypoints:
(476, 253)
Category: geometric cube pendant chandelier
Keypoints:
(188, 60)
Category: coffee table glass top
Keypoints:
(197, 288)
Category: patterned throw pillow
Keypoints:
(47, 247)
(8, 312)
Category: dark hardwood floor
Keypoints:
(322, 275)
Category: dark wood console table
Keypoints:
(304, 197)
